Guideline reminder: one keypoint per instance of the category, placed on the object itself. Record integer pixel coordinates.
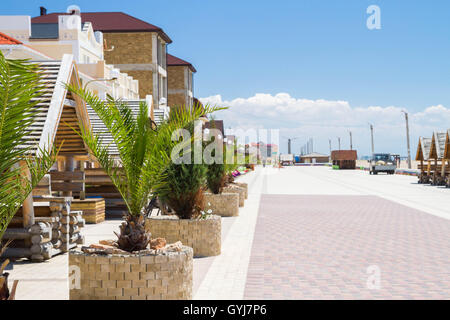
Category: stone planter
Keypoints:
(243, 185)
(236, 189)
(162, 276)
(203, 235)
(224, 204)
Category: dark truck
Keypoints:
(382, 162)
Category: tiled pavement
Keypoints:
(48, 280)
(320, 247)
(333, 244)
(225, 278)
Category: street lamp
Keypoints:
(407, 138)
(351, 142)
(371, 135)
(95, 80)
(289, 143)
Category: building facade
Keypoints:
(131, 45)
(314, 158)
(67, 34)
(180, 76)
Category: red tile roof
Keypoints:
(4, 39)
(108, 22)
(174, 61)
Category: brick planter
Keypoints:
(224, 204)
(236, 189)
(204, 236)
(165, 276)
(243, 185)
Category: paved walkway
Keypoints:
(48, 280)
(309, 232)
(347, 247)
(225, 279)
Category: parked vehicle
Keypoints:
(382, 162)
(287, 159)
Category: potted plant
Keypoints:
(231, 186)
(225, 204)
(132, 267)
(20, 89)
(184, 195)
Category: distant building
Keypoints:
(215, 124)
(272, 150)
(344, 159)
(314, 158)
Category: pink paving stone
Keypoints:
(319, 247)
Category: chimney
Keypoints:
(43, 11)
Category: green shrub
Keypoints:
(216, 177)
(184, 191)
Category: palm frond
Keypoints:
(20, 89)
(144, 153)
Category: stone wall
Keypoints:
(135, 50)
(243, 185)
(129, 48)
(145, 78)
(166, 276)
(176, 99)
(236, 189)
(224, 204)
(175, 78)
(203, 235)
(177, 91)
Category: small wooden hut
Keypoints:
(45, 225)
(345, 159)
(422, 155)
(436, 156)
(445, 167)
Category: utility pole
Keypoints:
(351, 142)
(289, 143)
(339, 143)
(371, 135)
(407, 139)
(329, 140)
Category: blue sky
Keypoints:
(313, 50)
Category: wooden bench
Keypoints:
(99, 184)
(48, 229)
(73, 182)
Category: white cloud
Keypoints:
(323, 119)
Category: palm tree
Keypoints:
(143, 154)
(20, 89)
